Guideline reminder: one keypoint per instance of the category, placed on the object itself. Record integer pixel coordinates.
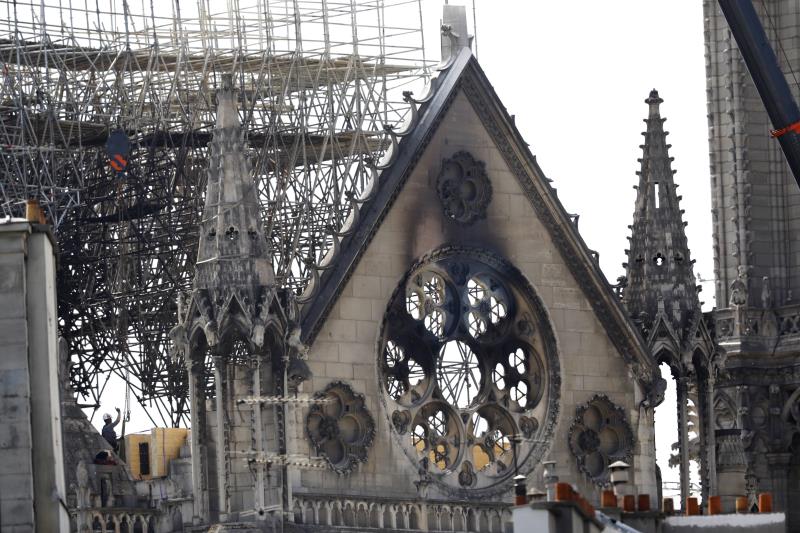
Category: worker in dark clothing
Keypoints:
(108, 429)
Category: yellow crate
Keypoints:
(132, 443)
(165, 445)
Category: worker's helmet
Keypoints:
(106, 416)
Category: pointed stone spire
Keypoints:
(232, 252)
(659, 269)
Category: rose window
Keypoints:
(469, 371)
(599, 436)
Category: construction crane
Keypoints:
(767, 76)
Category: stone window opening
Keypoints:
(659, 259)
(679, 417)
(469, 371)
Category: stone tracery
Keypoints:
(599, 436)
(464, 188)
(469, 370)
(341, 428)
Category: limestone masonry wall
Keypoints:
(346, 347)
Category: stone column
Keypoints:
(220, 386)
(683, 435)
(779, 473)
(702, 431)
(197, 412)
(32, 484)
(258, 422)
(710, 429)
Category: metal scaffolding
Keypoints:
(318, 82)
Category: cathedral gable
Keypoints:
(467, 247)
(463, 125)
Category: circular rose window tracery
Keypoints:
(469, 371)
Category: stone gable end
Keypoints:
(347, 344)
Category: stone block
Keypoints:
(569, 297)
(14, 355)
(13, 244)
(378, 310)
(12, 304)
(317, 367)
(14, 383)
(366, 331)
(353, 352)
(12, 276)
(13, 331)
(18, 485)
(572, 382)
(570, 346)
(375, 265)
(339, 370)
(324, 351)
(388, 285)
(500, 208)
(14, 409)
(355, 308)
(340, 330)
(596, 365)
(25, 528)
(604, 384)
(365, 372)
(582, 321)
(16, 461)
(366, 286)
(554, 274)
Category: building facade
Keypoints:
(756, 218)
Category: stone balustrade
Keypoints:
(410, 515)
(754, 322)
(109, 520)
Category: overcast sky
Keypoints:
(575, 75)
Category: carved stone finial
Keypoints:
(653, 98)
(766, 293)
(64, 364)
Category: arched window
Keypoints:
(469, 370)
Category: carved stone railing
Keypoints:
(755, 322)
(410, 515)
(115, 520)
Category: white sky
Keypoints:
(575, 75)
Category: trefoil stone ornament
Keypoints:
(464, 188)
